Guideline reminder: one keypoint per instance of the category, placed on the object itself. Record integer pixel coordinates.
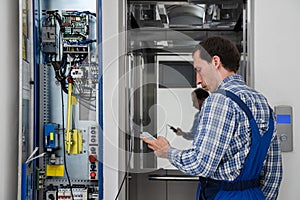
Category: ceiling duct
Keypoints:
(185, 15)
(219, 15)
(157, 24)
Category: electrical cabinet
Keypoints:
(62, 152)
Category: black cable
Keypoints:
(126, 169)
(64, 151)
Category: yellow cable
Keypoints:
(68, 131)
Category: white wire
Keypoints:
(32, 154)
(41, 155)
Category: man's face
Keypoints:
(206, 73)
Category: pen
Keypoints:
(172, 128)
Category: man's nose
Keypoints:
(198, 79)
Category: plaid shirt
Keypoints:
(222, 141)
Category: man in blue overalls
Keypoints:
(235, 151)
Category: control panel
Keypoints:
(284, 119)
(93, 153)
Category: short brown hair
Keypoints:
(200, 93)
(221, 47)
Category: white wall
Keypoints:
(276, 72)
(110, 47)
(9, 54)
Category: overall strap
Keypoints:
(236, 99)
(245, 108)
(259, 144)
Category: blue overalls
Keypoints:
(246, 185)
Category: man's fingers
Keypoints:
(151, 147)
(148, 141)
(159, 146)
(151, 143)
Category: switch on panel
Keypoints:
(284, 119)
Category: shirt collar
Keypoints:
(230, 79)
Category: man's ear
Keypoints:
(216, 61)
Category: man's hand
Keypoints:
(159, 146)
(179, 132)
